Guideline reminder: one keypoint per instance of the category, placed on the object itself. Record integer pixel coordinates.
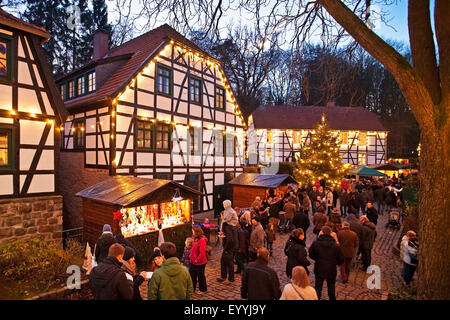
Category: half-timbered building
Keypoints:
(277, 133)
(30, 112)
(155, 107)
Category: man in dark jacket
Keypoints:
(354, 204)
(348, 241)
(319, 220)
(230, 245)
(295, 249)
(368, 235)
(379, 198)
(103, 243)
(301, 220)
(259, 281)
(372, 213)
(242, 253)
(108, 281)
(327, 255)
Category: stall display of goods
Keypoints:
(175, 213)
(139, 220)
(144, 219)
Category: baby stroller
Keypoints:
(394, 219)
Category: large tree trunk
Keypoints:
(434, 216)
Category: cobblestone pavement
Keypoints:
(355, 289)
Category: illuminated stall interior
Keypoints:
(135, 206)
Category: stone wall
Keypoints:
(23, 218)
(72, 178)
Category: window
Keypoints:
(5, 58)
(79, 134)
(344, 137)
(195, 141)
(362, 139)
(220, 98)
(144, 134)
(219, 143)
(6, 148)
(91, 82)
(361, 158)
(195, 90)
(71, 89)
(78, 86)
(163, 136)
(81, 85)
(63, 90)
(230, 145)
(163, 80)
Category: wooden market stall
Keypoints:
(247, 186)
(140, 208)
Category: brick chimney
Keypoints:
(331, 104)
(101, 44)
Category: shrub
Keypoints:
(37, 264)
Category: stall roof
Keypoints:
(262, 180)
(125, 190)
(365, 171)
(392, 166)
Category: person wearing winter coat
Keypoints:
(353, 205)
(327, 256)
(259, 281)
(295, 250)
(343, 199)
(301, 220)
(366, 241)
(409, 248)
(172, 281)
(242, 252)
(329, 197)
(103, 243)
(290, 208)
(256, 238)
(198, 259)
(230, 244)
(299, 288)
(319, 220)
(378, 195)
(229, 215)
(256, 204)
(372, 213)
(335, 196)
(306, 203)
(185, 259)
(349, 243)
(127, 243)
(129, 266)
(108, 281)
(390, 199)
(270, 237)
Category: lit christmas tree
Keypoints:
(320, 159)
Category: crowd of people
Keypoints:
(342, 233)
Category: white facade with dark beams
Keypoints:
(29, 112)
(277, 133)
(161, 108)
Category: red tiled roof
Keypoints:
(12, 21)
(142, 48)
(307, 117)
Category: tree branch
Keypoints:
(422, 46)
(407, 78)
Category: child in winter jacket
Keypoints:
(185, 260)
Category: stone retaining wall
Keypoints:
(23, 218)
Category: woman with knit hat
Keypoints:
(129, 266)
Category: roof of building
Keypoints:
(126, 190)
(142, 49)
(14, 22)
(307, 117)
(262, 180)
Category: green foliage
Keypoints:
(320, 159)
(37, 265)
